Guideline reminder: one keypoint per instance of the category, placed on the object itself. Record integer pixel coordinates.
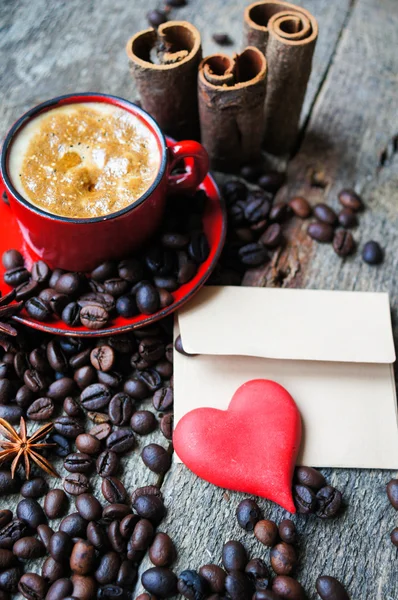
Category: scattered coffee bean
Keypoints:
(329, 502)
(347, 218)
(121, 440)
(283, 559)
(107, 463)
(215, 577)
(257, 571)
(234, 556)
(78, 462)
(27, 548)
(343, 243)
(222, 39)
(192, 585)
(156, 458)
(350, 199)
(372, 253)
(310, 477)
(32, 586)
(321, 232)
(330, 588)
(149, 507)
(113, 490)
(34, 488)
(160, 581)
(69, 427)
(45, 534)
(11, 259)
(30, 511)
(41, 409)
(88, 507)
(60, 546)
(143, 422)
(301, 207)
(166, 426)
(60, 589)
(304, 499)
(392, 492)
(394, 537)
(74, 525)
(266, 532)
(156, 17)
(55, 503)
(94, 316)
(287, 587)
(253, 255)
(76, 483)
(287, 531)
(82, 560)
(325, 214)
(87, 444)
(238, 586)
(248, 514)
(108, 568)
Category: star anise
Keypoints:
(20, 445)
(8, 310)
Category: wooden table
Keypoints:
(349, 120)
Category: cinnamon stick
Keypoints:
(231, 107)
(287, 35)
(164, 64)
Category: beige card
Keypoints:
(333, 351)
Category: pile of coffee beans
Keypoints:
(312, 494)
(140, 285)
(392, 494)
(257, 223)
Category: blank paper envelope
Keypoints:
(333, 351)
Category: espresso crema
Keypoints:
(84, 160)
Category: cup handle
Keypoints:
(196, 165)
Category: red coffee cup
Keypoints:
(81, 244)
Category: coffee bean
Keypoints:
(126, 306)
(301, 207)
(116, 286)
(304, 499)
(5, 517)
(102, 358)
(163, 399)
(257, 206)
(272, 237)
(27, 548)
(283, 559)
(85, 376)
(321, 232)
(61, 388)
(156, 458)
(149, 507)
(82, 359)
(88, 507)
(309, 477)
(37, 309)
(234, 190)
(71, 314)
(116, 539)
(110, 379)
(192, 585)
(69, 427)
(41, 409)
(60, 546)
(287, 531)
(392, 492)
(7, 558)
(325, 214)
(108, 568)
(8, 485)
(271, 181)
(52, 570)
(142, 535)
(347, 218)
(257, 572)
(162, 552)
(160, 582)
(330, 588)
(26, 290)
(101, 431)
(394, 537)
(127, 525)
(97, 417)
(78, 462)
(238, 586)
(11, 259)
(343, 243)
(234, 556)
(143, 422)
(136, 389)
(96, 535)
(35, 381)
(88, 444)
(166, 426)
(266, 532)
(107, 463)
(6, 391)
(60, 589)
(120, 409)
(350, 199)
(72, 408)
(94, 317)
(287, 587)
(12, 532)
(82, 559)
(76, 483)
(74, 525)
(121, 440)
(30, 511)
(372, 253)
(104, 271)
(127, 574)
(45, 533)
(32, 586)
(12, 414)
(113, 490)
(116, 512)
(9, 579)
(265, 595)
(329, 502)
(253, 255)
(248, 514)
(34, 488)
(147, 298)
(84, 588)
(214, 576)
(95, 396)
(16, 276)
(24, 396)
(55, 503)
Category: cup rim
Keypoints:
(82, 97)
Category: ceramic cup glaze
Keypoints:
(81, 244)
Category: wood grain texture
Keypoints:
(350, 113)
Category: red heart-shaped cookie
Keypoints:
(251, 447)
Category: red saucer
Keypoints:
(214, 225)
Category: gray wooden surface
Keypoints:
(350, 114)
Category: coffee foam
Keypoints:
(83, 160)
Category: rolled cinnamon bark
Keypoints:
(164, 64)
(231, 107)
(287, 35)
